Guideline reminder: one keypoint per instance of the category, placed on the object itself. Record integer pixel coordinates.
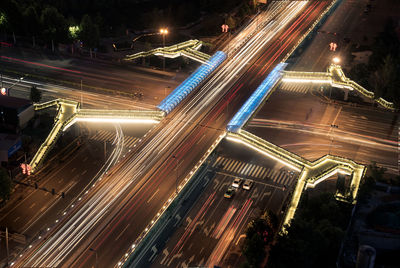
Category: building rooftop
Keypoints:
(13, 102)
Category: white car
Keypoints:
(247, 184)
(236, 182)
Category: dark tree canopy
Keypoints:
(5, 185)
(89, 32)
(382, 73)
(313, 239)
(54, 25)
(35, 94)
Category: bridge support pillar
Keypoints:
(346, 94)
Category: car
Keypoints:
(230, 192)
(236, 182)
(247, 184)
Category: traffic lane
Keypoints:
(311, 110)
(87, 168)
(213, 219)
(189, 160)
(153, 91)
(312, 147)
(39, 210)
(110, 72)
(36, 202)
(149, 199)
(342, 22)
(89, 99)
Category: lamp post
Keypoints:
(81, 94)
(177, 175)
(163, 32)
(335, 60)
(6, 91)
(332, 136)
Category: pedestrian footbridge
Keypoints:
(334, 77)
(69, 112)
(311, 173)
(189, 49)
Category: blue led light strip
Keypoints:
(179, 93)
(255, 99)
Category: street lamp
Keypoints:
(81, 94)
(6, 91)
(163, 32)
(336, 60)
(332, 136)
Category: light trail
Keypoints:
(51, 91)
(40, 64)
(61, 244)
(323, 130)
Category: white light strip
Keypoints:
(306, 80)
(334, 172)
(263, 152)
(111, 120)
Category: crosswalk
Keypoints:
(109, 136)
(248, 170)
(297, 88)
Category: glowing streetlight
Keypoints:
(163, 32)
(6, 91)
(336, 60)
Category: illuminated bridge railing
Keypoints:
(277, 152)
(47, 104)
(336, 78)
(169, 51)
(44, 105)
(115, 116)
(310, 173)
(66, 111)
(248, 108)
(156, 115)
(187, 86)
(195, 55)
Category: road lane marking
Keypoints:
(148, 201)
(84, 172)
(118, 237)
(16, 219)
(32, 205)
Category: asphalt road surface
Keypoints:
(100, 77)
(213, 231)
(111, 217)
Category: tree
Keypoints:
(89, 32)
(11, 16)
(385, 79)
(253, 249)
(36, 94)
(231, 22)
(31, 23)
(360, 73)
(5, 185)
(314, 235)
(259, 234)
(55, 28)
